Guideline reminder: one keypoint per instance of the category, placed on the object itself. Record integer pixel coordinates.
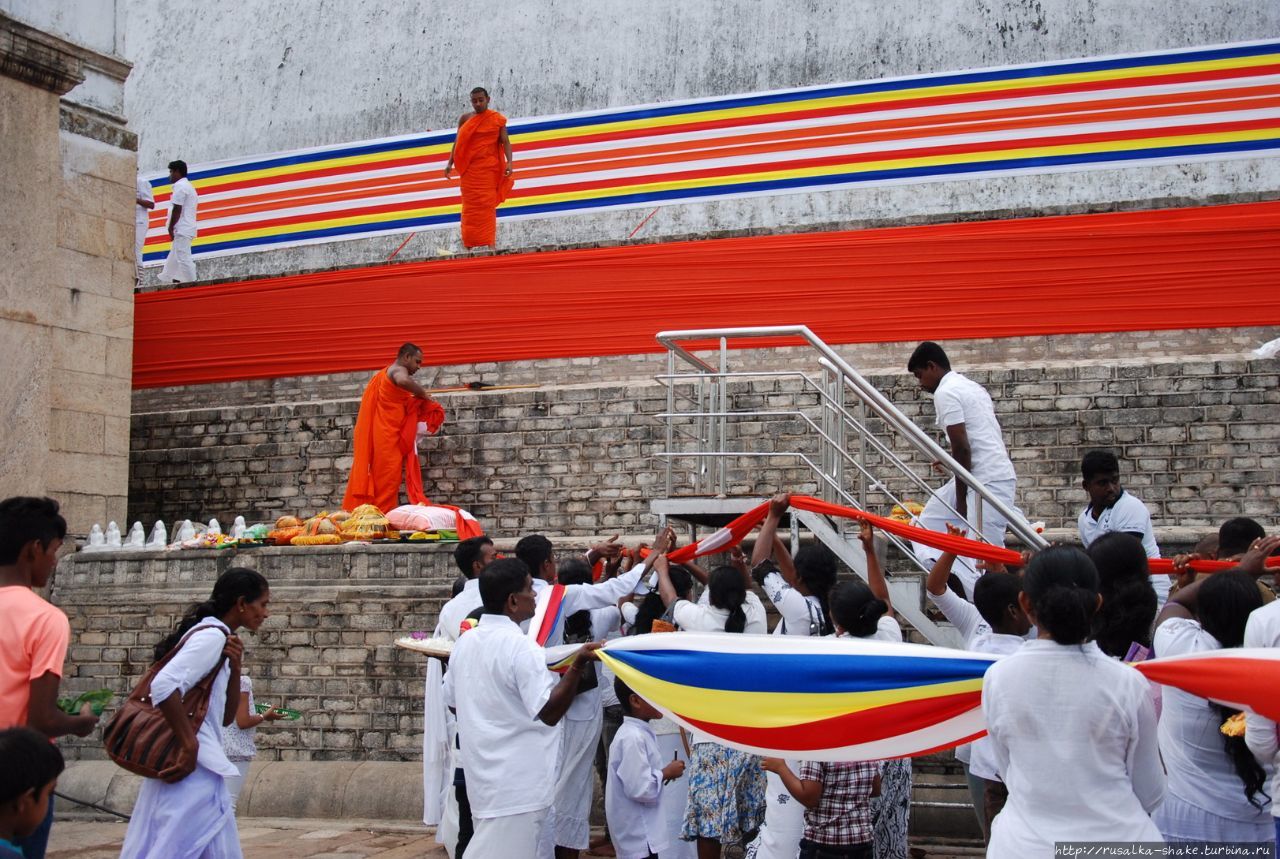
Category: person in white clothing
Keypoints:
(799, 590)
(239, 739)
(508, 706)
(965, 413)
(1129, 602)
(572, 833)
(993, 623)
(1111, 508)
(726, 786)
(1262, 735)
(179, 267)
(144, 202)
(637, 774)
(1216, 788)
(863, 610)
(187, 813)
(1073, 731)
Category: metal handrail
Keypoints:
(850, 379)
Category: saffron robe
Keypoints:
(384, 447)
(481, 162)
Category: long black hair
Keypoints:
(1129, 602)
(729, 592)
(235, 583)
(817, 567)
(1062, 584)
(575, 571)
(1223, 606)
(855, 609)
(651, 607)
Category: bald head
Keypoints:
(408, 350)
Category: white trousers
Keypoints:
(178, 265)
(236, 784)
(139, 238)
(937, 514)
(512, 836)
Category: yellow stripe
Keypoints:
(772, 175)
(771, 709)
(752, 111)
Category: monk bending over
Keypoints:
(478, 152)
(385, 450)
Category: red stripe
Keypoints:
(552, 614)
(850, 729)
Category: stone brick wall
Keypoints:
(1199, 440)
(326, 650)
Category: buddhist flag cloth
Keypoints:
(842, 699)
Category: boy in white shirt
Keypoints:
(633, 783)
(178, 265)
(1111, 509)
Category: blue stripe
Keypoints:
(742, 187)
(791, 673)
(942, 79)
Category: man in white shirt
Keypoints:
(966, 414)
(144, 202)
(1111, 509)
(508, 705)
(179, 266)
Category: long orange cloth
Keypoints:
(1201, 267)
(481, 161)
(383, 445)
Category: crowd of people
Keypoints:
(513, 748)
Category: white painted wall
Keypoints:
(220, 80)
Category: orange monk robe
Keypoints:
(380, 454)
(482, 164)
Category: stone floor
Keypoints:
(277, 838)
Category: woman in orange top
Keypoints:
(478, 152)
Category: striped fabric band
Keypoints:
(1170, 107)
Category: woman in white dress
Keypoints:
(726, 786)
(864, 611)
(1216, 787)
(188, 812)
(799, 590)
(1073, 731)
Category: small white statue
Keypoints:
(186, 531)
(159, 537)
(237, 528)
(113, 536)
(97, 540)
(137, 537)
(214, 528)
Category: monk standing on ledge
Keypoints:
(385, 450)
(478, 152)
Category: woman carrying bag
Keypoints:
(187, 811)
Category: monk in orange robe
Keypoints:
(478, 153)
(385, 444)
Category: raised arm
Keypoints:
(875, 575)
(778, 505)
(936, 583)
(666, 589)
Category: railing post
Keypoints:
(723, 461)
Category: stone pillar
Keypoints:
(66, 274)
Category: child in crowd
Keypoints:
(33, 633)
(29, 770)
(837, 802)
(636, 775)
(238, 737)
(993, 623)
(1073, 731)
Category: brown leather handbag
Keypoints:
(138, 738)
